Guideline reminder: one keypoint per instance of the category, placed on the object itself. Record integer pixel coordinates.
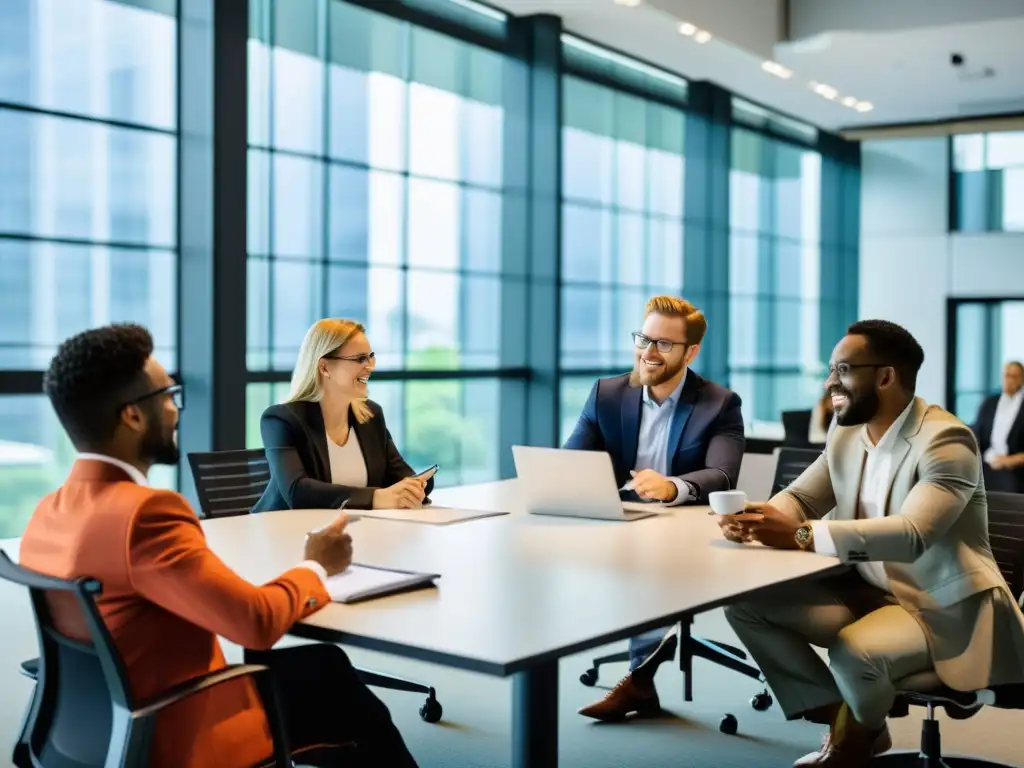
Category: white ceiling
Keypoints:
(899, 60)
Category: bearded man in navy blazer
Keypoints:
(673, 437)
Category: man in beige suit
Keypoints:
(902, 481)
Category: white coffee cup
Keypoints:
(727, 502)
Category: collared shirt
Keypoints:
(1006, 414)
(138, 477)
(652, 443)
(874, 490)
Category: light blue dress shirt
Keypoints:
(652, 443)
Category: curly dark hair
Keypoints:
(92, 375)
(892, 345)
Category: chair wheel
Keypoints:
(431, 710)
(762, 701)
(729, 725)
(589, 678)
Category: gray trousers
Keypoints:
(871, 642)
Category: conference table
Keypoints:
(518, 592)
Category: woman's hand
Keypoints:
(405, 494)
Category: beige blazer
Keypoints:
(933, 541)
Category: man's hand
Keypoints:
(648, 484)
(733, 530)
(764, 523)
(331, 546)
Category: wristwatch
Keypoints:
(804, 537)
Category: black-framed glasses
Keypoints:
(844, 369)
(361, 359)
(176, 392)
(664, 345)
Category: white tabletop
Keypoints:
(517, 589)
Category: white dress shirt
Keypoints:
(874, 490)
(348, 467)
(652, 443)
(1006, 414)
(138, 477)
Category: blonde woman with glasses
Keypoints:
(327, 443)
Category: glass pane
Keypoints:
(35, 457)
(665, 255)
(366, 216)
(744, 316)
(1013, 199)
(971, 348)
(1005, 150)
(298, 96)
(101, 59)
(51, 291)
(482, 238)
(1012, 320)
(968, 405)
(973, 201)
(373, 297)
(587, 149)
(442, 331)
(454, 424)
(258, 203)
(257, 310)
(745, 201)
(62, 177)
(297, 302)
(630, 237)
(297, 204)
(586, 244)
(745, 258)
(969, 152)
(665, 182)
(572, 396)
(434, 217)
(259, 397)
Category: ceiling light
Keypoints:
(702, 36)
(825, 91)
(849, 101)
(864, 106)
(774, 68)
(628, 3)
(686, 28)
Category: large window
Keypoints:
(375, 193)
(988, 188)
(774, 275)
(622, 226)
(986, 336)
(87, 207)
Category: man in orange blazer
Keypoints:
(166, 596)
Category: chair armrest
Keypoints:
(30, 668)
(197, 684)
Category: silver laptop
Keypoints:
(557, 481)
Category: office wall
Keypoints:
(910, 262)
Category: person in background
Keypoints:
(821, 420)
(1000, 432)
(327, 444)
(166, 597)
(902, 481)
(674, 437)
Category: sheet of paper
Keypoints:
(432, 515)
(358, 582)
(643, 506)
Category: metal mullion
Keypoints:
(325, 222)
(86, 243)
(111, 123)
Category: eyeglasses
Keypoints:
(843, 369)
(361, 359)
(664, 345)
(175, 391)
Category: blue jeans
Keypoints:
(642, 646)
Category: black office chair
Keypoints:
(1006, 532)
(797, 426)
(82, 713)
(790, 464)
(230, 483)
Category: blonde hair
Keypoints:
(671, 306)
(325, 337)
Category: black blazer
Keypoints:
(705, 438)
(1014, 441)
(295, 440)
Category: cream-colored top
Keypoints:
(348, 467)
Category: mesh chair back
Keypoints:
(229, 482)
(1006, 533)
(791, 464)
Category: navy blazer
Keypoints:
(706, 439)
(295, 440)
(1014, 441)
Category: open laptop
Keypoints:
(558, 481)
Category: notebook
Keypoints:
(432, 515)
(365, 582)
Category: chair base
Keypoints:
(431, 710)
(914, 759)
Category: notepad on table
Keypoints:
(365, 582)
(432, 515)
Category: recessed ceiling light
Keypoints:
(864, 106)
(628, 3)
(686, 28)
(825, 91)
(702, 36)
(849, 101)
(774, 68)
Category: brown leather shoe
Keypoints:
(630, 696)
(848, 744)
